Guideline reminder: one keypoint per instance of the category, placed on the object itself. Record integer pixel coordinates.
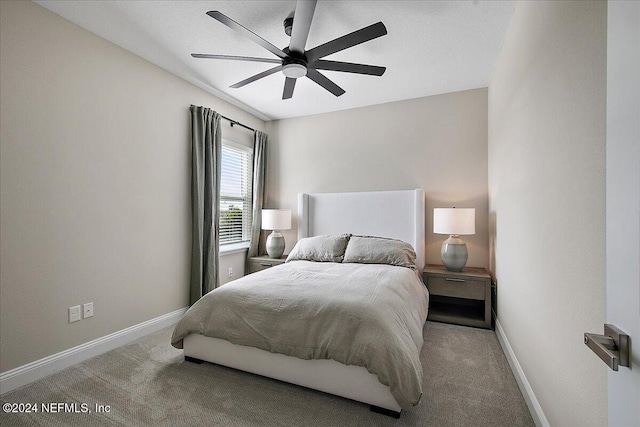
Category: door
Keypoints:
(623, 202)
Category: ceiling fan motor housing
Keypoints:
(288, 25)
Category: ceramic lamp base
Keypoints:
(275, 244)
(454, 253)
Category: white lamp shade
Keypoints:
(276, 219)
(454, 221)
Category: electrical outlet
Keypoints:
(88, 310)
(230, 272)
(74, 313)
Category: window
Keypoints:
(235, 193)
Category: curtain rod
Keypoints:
(234, 122)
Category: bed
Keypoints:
(388, 214)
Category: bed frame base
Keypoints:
(373, 408)
(383, 411)
(329, 376)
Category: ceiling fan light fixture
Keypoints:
(294, 71)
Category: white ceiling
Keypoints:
(432, 47)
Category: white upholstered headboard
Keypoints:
(394, 214)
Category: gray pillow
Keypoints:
(320, 248)
(380, 250)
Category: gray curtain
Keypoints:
(206, 148)
(259, 174)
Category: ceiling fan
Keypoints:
(296, 62)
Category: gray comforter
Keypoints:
(364, 315)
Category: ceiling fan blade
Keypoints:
(347, 67)
(301, 25)
(224, 19)
(324, 82)
(237, 58)
(352, 39)
(289, 85)
(257, 77)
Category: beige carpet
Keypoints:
(467, 382)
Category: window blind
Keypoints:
(235, 193)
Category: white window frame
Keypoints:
(246, 201)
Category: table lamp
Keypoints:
(276, 220)
(454, 222)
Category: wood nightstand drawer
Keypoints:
(263, 262)
(456, 287)
(259, 266)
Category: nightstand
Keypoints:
(462, 298)
(258, 263)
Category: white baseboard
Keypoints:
(530, 398)
(33, 371)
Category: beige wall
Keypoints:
(95, 172)
(438, 143)
(547, 201)
(234, 261)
